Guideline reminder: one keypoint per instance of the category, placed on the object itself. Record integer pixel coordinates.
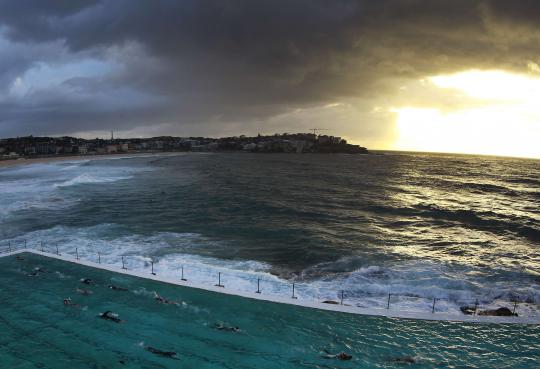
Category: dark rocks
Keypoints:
(503, 311)
(468, 310)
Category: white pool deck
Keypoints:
(390, 313)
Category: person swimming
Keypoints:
(169, 354)
(87, 281)
(116, 288)
(222, 327)
(68, 302)
(83, 292)
(109, 315)
(403, 360)
(33, 274)
(163, 300)
(340, 356)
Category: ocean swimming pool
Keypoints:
(38, 331)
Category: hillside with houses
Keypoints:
(33, 146)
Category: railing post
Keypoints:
(219, 281)
(152, 267)
(293, 296)
(258, 286)
(388, 304)
(433, 307)
(342, 292)
(123, 265)
(182, 278)
(99, 257)
(77, 253)
(475, 306)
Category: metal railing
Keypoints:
(341, 294)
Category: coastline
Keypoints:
(6, 163)
(46, 159)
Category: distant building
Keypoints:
(45, 148)
(83, 149)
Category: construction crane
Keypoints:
(315, 130)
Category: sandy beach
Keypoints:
(25, 161)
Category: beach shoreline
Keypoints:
(6, 163)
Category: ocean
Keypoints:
(417, 226)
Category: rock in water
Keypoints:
(469, 310)
(503, 311)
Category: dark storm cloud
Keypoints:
(205, 62)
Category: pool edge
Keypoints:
(388, 313)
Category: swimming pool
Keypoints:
(38, 331)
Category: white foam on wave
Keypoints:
(72, 165)
(38, 203)
(412, 284)
(31, 193)
(39, 185)
(86, 178)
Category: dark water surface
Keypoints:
(446, 226)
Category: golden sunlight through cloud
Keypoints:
(505, 122)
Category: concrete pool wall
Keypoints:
(290, 300)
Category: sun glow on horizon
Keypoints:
(507, 122)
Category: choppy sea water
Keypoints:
(452, 227)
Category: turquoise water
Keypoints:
(38, 331)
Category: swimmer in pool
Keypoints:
(116, 288)
(169, 354)
(109, 315)
(83, 292)
(163, 300)
(403, 360)
(222, 327)
(87, 281)
(68, 302)
(340, 356)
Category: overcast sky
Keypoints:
(223, 67)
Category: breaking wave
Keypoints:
(412, 284)
(87, 178)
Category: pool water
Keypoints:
(38, 331)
